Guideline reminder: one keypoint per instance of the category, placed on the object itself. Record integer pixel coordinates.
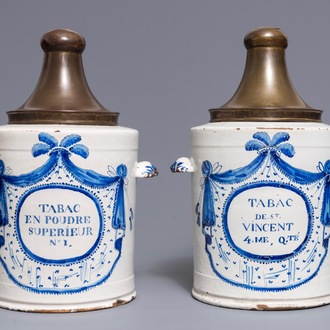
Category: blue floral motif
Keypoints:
(263, 144)
(268, 169)
(69, 144)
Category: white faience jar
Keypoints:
(68, 192)
(261, 191)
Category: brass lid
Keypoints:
(265, 92)
(62, 95)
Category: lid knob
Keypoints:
(265, 37)
(63, 40)
(265, 92)
(62, 95)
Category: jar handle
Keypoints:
(145, 169)
(183, 165)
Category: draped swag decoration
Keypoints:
(106, 195)
(254, 246)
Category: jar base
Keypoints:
(68, 308)
(262, 304)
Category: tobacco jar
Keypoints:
(260, 186)
(68, 191)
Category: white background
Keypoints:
(162, 65)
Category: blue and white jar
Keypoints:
(67, 205)
(261, 196)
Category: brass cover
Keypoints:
(62, 95)
(266, 92)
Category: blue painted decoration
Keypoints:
(62, 226)
(266, 224)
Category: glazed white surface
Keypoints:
(224, 144)
(108, 147)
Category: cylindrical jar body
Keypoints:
(261, 205)
(67, 216)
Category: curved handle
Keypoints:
(145, 170)
(183, 165)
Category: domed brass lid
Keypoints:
(62, 95)
(265, 92)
